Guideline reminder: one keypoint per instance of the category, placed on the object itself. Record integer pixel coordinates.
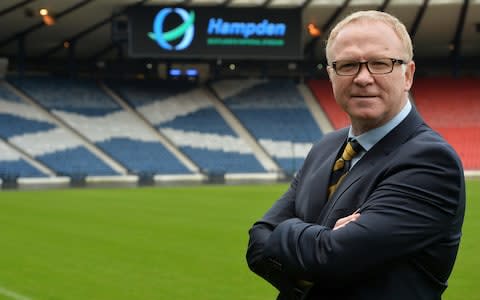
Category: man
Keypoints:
(388, 225)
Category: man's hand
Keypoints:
(304, 284)
(344, 221)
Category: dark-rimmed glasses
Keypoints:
(374, 66)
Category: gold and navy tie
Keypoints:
(342, 165)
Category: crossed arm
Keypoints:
(409, 210)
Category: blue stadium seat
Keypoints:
(6, 95)
(18, 168)
(185, 115)
(89, 110)
(276, 115)
(11, 125)
(23, 125)
(143, 157)
(73, 162)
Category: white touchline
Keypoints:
(12, 295)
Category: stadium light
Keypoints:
(313, 30)
(47, 18)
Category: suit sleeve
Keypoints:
(413, 204)
(283, 209)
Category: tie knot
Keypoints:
(342, 165)
(351, 149)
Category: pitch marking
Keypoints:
(12, 295)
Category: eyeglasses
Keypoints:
(374, 66)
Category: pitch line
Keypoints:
(12, 294)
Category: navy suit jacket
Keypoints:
(409, 189)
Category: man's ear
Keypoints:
(409, 73)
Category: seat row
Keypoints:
(76, 127)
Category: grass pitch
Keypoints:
(156, 243)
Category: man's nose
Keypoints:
(363, 76)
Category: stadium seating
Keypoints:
(322, 90)
(275, 114)
(185, 115)
(86, 108)
(452, 107)
(12, 165)
(6, 95)
(26, 127)
(273, 111)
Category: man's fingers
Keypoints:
(344, 221)
(349, 218)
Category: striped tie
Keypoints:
(342, 165)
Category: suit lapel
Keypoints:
(320, 178)
(378, 153)
(353, 176)
(319, 186)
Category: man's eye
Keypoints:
(379, 63)
(348, 65)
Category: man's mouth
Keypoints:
(364, 96)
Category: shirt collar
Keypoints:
(371, 137)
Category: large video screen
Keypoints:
(213, 32)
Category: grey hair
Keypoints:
(373, 15)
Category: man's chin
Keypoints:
(365, 114)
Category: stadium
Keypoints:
(126, 126)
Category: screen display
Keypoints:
(213, 32)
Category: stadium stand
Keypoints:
(188, 118)
(452, 107)
(322, 90)
(273, 111)
(12, 165)
(87, 109)
(275, 114)
(26, 127)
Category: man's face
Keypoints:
(370, 100)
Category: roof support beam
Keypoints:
(267, 3)
(89, 30)
(418, 19)
(226, 2)
(384, 5)
(311, 45)
(14, 7)
(306, 3)
(333, 18)
(457, 39)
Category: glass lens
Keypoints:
(380, 66)
(346, 67)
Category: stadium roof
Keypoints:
(440, 28)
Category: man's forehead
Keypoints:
(366, 31)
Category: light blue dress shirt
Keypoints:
(368, 139)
